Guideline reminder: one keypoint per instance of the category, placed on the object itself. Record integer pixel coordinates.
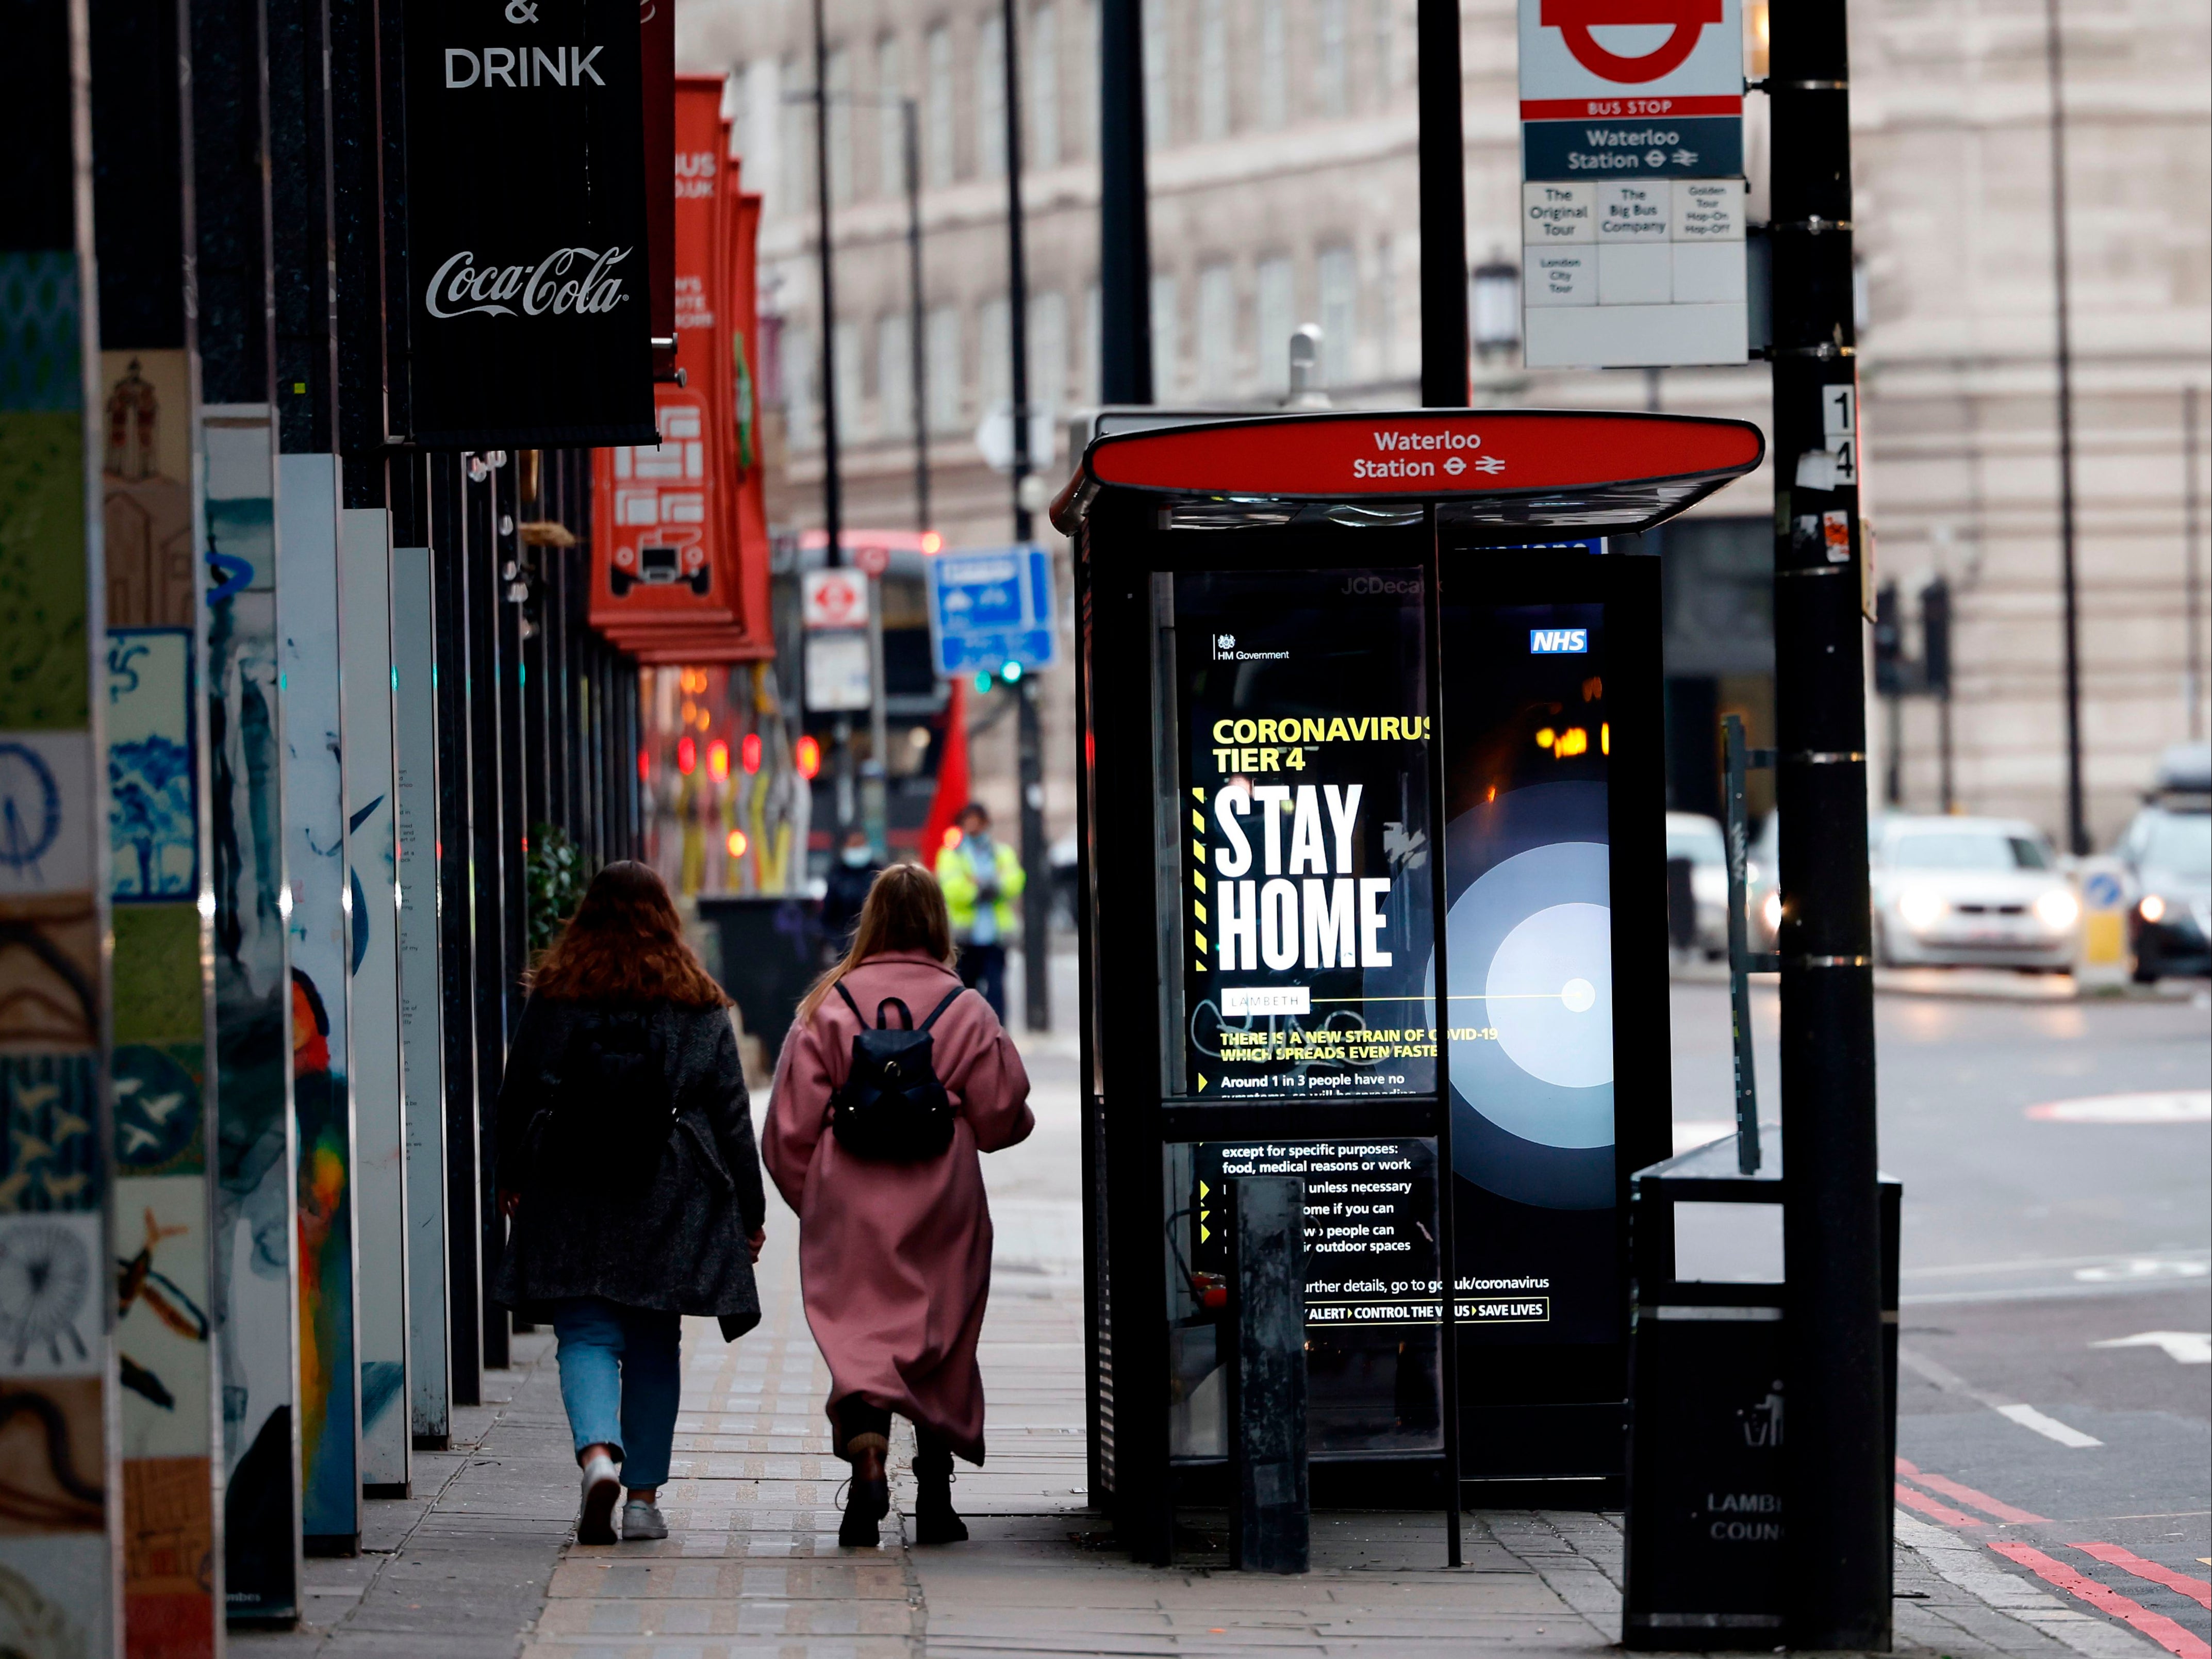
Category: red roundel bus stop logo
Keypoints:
(1686, 21)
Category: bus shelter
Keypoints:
(1316, 649)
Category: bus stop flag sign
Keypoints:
(989, 607)
(1632, 183)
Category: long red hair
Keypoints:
(625, 943)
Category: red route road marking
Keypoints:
(1927, 1505)
(2156, 1625)
(2196, 1589)
(1980, 1500)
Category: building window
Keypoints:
(1213, 69)
(1159, 124)
(839, 85)
(1043, 93)
(793, 141)
(1386, 308)
(1166, 354)
(1217, 331)
(937, 51)
(991, 97)
(1337, 275)
(894, 375)
(802, 368)
(945, 400)
(851, 383)
(1094, 344)
(1386, 51)
(891, 121)
(1274, 65)
(1049, 350)
(1271, 310)
(994, 377)
(1084, 139)
(1328, 55)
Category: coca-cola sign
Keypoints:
(528, 322)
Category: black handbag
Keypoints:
(891, 1109)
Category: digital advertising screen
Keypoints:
(1303, 883)
(1528, 864)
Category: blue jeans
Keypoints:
(621, 1377)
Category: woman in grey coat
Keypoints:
(627, 1165)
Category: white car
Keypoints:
(1694, 836)
(1983, 892)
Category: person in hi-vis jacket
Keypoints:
(982, 878)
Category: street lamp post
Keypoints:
(1037, 893)
(1125, 259)
(1836, 1479)
(2077, 822)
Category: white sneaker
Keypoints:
(602, 1485)
(642, 1519)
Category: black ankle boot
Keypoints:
(934, 1520)
(868, 1501)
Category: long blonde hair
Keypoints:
(904, 911)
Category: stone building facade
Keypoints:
(1283, 179)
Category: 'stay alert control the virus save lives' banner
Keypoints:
(1633, 193)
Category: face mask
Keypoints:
(856, 856)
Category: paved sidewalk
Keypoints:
(481, 1564)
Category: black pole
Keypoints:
(833, 504)
(1036, 890)
(1440, 1018)
(917, 353)
(2191, 598)
(1444, 209)
(1125, 254)
(1837, 1477)
(2077, 821)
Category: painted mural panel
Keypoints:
(156, 779)
(315, 818)
(415, 731)
(380, 1118)
(254, 1285)
(57, 1456)
(153, 766)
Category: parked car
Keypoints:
(1694, 836)
(2167, 849)
(1981, 892)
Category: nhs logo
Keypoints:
(1558, 641)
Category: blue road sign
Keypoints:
(989, 607)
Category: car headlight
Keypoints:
(1772, 910)
(2153, 908)
(1921, 907)
(2058, 909)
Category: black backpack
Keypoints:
(612, 1108)
(891, 1107)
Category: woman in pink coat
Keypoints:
(895, 1258)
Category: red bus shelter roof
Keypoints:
(1517, 470)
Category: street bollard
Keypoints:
(1269, 1506)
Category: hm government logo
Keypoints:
(1225, 647)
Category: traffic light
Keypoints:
(1888, 643)
(1935, 636)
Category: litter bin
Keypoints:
(771, 951)
(1707, 1397)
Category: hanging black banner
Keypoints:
(527, 268)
